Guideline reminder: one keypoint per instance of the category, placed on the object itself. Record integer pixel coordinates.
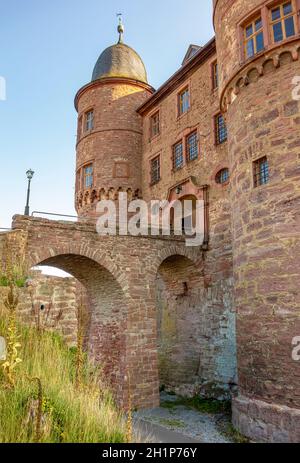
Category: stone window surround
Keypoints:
(183, 88)
(214, 80)
(256, 174)
(264, 11)
(183, 140)
(216, 172)
(151, 116)
(214, 124)
(80, 176)
(156, 156)
(84, 114)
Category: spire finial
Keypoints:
(120, 28)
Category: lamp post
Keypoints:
(29, 175)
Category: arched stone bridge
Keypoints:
(119, 274)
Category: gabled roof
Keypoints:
(196, 60)
(190, 53)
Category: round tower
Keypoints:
(258, 47)
(109, 139)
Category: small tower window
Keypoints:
(283, 19)
(155, 170)
(192, 146)
(154, 125)
(220, 129)
(215, 75)
(89, 120)
(178, 155)
(88, 176)
(261, 171)
(254, 38)
(183, 101)
(79, 128)
(222, 176)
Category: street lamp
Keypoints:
(29, 175)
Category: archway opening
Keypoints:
(95, 288)
(180, 324)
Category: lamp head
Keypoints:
(29, 174)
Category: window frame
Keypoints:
(187, 153)
(185, 89)
(152, 116)
(218, 176)
(265, 11)
(253, 36)
(215, 76)
(281, 20)
(257, 174)
(174, 168)
(218, 141)
(91, 175)
(86, 128)
(157, 179)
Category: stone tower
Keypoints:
(109, 140)
(258, 47)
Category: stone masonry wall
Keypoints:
(213, 315)
(263, 120)
(114, 146)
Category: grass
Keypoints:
(4, 281)
(210, 406)
(69, 415)
(228, 430)
(172, 423)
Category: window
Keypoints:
(222, 176)
(88, 176)
(178, 155)
(79, 128)
(89, 121)
(154, 125)
(261, 171)
(220, 129)
(283, 21)
(254, 38)
(184, 101)
(215, 75)
(155, 170)
(192, 146)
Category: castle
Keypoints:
(225, 128)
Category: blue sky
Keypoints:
(48, 51)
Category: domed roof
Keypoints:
(120, 60)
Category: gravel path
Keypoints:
(184, 421)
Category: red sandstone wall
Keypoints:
(212, 317)
(263, 120)
(114, 146)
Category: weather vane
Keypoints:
(120, 27)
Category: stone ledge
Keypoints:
(265, 422)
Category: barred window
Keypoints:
(178, 155)
(283, 20)
(88, 176)
(254, 38)
(89, 121)
(222, 176)
(261, 171)
(220, 129)
(154, 125)
(155, 170)
(192, 146)
(184, 101)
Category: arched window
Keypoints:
(222, 176)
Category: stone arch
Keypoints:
(106, 307)
(181, 341)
